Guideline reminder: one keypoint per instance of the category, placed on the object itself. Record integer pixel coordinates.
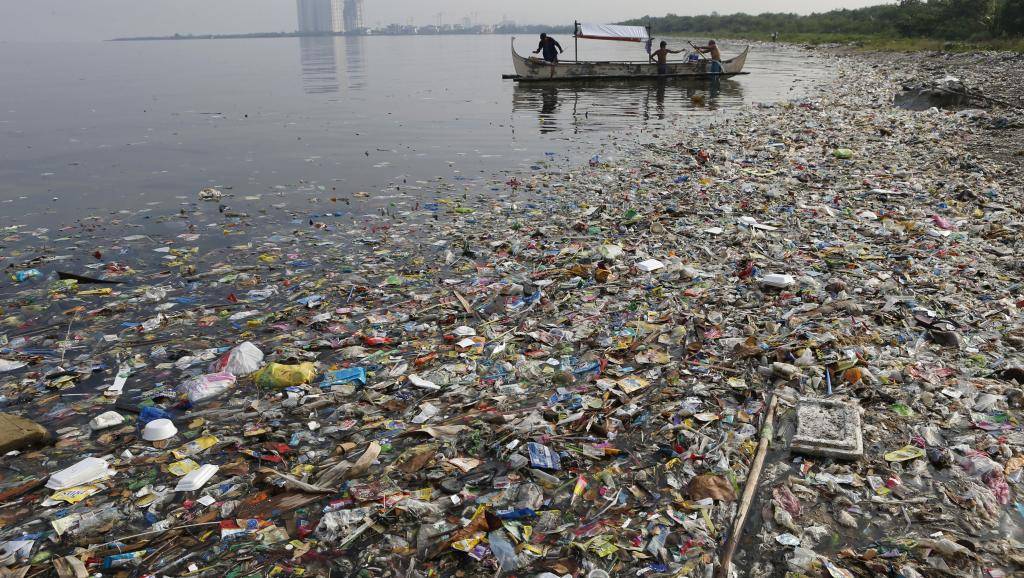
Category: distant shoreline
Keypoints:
(525, 30)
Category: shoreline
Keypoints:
(539, 317)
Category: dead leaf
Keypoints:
(364, 462)
(415, 459)
(443, 432)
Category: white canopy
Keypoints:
(613, 32)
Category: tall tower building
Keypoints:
(338, 16)
(353, 15)
(320, 16)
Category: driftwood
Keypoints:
(753, 476)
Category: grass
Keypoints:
(876, 43)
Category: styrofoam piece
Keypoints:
(83, 472)
(196, 478)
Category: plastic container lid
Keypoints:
(105, 420)
(159, 429)
(85, 471)
(650, 265)
(780, 281)
(196, 478)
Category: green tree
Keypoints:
(1009, 19)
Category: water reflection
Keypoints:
(618, 104)
(355, 61)
(319, 65)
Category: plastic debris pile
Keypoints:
(565, 377)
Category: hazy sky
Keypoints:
(43, 20)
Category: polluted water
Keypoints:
(786, 343)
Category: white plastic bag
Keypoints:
(207, 386)
(241, 360)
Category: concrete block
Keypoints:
(828, 428)
(18, 433)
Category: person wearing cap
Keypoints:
(716, 55)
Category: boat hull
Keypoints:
(535, 69)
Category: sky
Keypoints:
(84, 20)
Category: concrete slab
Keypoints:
(18, 433)
(828, 428)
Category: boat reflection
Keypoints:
(610, 104)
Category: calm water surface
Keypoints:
(94, 128)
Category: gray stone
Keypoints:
(828, 428)
(945, 92)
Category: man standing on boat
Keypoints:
(550, 47)
(716, 56)
(662, 55)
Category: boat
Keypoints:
(533, 69)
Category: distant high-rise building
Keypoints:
(353, 15)
(338, 16)
(320, 16)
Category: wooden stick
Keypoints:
(767, 430)
(465, 304)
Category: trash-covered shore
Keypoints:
(565, 375)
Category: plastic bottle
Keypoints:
(92, 522)
(22, 276)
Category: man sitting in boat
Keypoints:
(716, 56)
(550, 47)
(662, 54)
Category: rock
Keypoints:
(785, 370)
(785, 519)
(817, 534)
(17, 433)
(948, 92)
(846, 519)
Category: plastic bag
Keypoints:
(503, 550)
(206, 387)
(904, 454)
(279, 376)
(241, 360)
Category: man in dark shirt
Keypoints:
(550, 47)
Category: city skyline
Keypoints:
(74, 20)
(328, 16)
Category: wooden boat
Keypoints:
(536, 69)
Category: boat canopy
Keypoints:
(612, 32)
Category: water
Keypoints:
(94, 128)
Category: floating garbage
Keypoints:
(799, 325)
(210, 194)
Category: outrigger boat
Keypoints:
(536, 69)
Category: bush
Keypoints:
(937, 19)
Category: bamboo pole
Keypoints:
(725, 567)
(576, 37)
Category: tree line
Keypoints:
(940, 19)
